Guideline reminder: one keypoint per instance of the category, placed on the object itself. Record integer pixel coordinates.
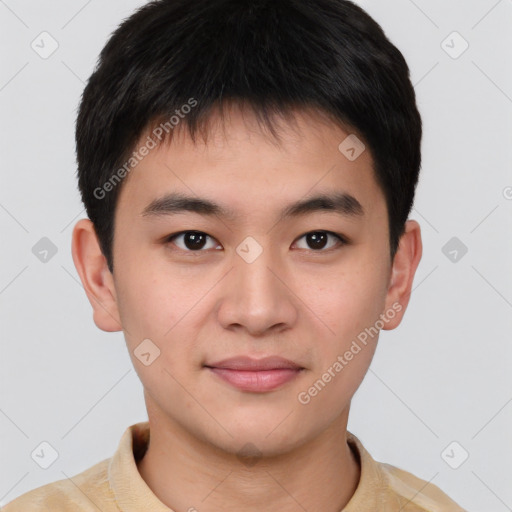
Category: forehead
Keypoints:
(240, 164)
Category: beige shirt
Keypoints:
(115, 485)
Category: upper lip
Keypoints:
(251, 364)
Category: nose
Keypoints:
(258, 296)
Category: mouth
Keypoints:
(246, 363)
(255, 375)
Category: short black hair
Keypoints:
(273, 55)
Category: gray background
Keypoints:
(442, 376)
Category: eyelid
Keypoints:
(169, 238)
(342, 241)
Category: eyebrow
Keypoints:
(174, 203)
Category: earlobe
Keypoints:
(404, 267)
(96, 278)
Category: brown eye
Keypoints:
(191, 241)
(318, 240)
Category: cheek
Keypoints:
(350, 308)
(154, 317)
(150, 297)
(349, 303)
(161, 307)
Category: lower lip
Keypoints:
(256, 381)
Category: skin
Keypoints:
(301, 303)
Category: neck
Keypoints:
(188, 474)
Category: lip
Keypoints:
(251, 364)
(256, 375)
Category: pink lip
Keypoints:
(255, 375)
(256, 381)
(249, 363)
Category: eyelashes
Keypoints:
(197, 241)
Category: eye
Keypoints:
(318, 240)
(193, 241)
(197, 241)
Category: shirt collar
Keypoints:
(133, 494)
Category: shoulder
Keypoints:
(388, 488)
(84, 492)
(419, 495)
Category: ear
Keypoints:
(404, 267)
(96, 278)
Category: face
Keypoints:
(202, 285)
